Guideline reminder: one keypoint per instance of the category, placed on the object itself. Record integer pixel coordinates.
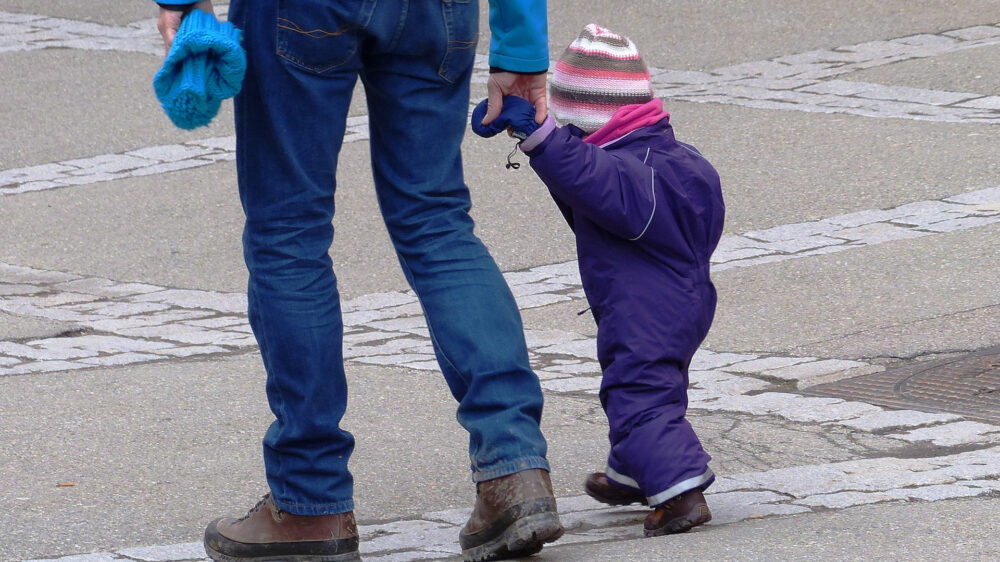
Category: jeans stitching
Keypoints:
(313, 33)
(342, 506)
(511, 467)
(281, 46)
(452, 45)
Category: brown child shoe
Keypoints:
(679, 514)
(603, 490)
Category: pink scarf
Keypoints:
(627, 119)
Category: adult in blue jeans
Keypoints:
(415, 59)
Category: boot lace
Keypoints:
(258, 507)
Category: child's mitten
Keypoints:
(517, 115)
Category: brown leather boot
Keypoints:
(678, 515)
(514, 516)
(268, 533)
(603, 490)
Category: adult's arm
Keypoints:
(519, 55)
(172, 12)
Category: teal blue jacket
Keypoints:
(519, 39)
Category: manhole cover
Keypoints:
(968, 385)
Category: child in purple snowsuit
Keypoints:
(647, 212)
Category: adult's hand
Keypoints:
(528, 86)
(170, 20)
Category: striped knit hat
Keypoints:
(598, 73)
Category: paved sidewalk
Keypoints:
(857, 146)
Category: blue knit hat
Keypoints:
(205, 65)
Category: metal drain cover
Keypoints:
(968, 385)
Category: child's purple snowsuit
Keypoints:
(647, 212)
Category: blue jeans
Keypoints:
(415, 60)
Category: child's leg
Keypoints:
(653, 447)
(613, 486)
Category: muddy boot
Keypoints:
(605, 491)
(678, 515)
(268, 533)
(514, 516)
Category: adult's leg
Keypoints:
(290, 122)
(417, 84)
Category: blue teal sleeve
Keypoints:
(519, 39)
(176, 2)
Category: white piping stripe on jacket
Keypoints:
(621, 479)
(652, 187)
(671, 492)
(680, 488)
(610, 142)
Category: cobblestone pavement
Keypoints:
(887, 455)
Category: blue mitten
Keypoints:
(517, 115)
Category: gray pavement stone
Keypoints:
(766, 364)
(715, 383)
(19, 289)
(705, 359)
(878, 233)
(186, 551)
(754, 511)
(841, 500)
(585, 348)
(573, 384)
(190, 351)
(120, 359)
(889, 420)
(94, 557)
(985, 102)
(805, 371)
(957, 433)
(44, 366)
(210, 300)
(957, 224)
(981, 196)
(576, 368)
(99, 344)
(42, 353)
(935, 493)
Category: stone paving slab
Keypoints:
(842, 290)
(941, 72)
(747, 496)
(14, 326)
(165, 314)
(726, 34)
(956, 332)
(108, 12)
(855, 176)
(963, 529)
(387, 330)
(122, 114)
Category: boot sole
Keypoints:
(609, 501)
(523, 537)
(698, 516)
(345, 557)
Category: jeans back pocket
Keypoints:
(320, 35)
(461, 19)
